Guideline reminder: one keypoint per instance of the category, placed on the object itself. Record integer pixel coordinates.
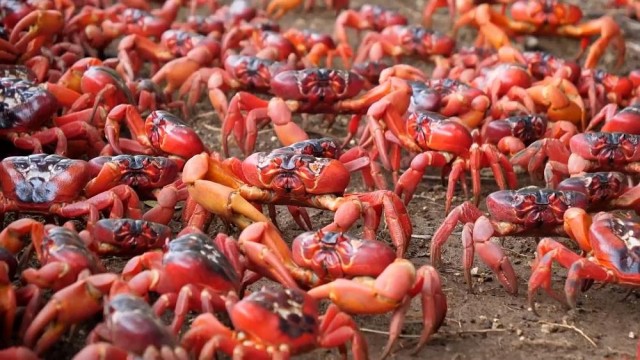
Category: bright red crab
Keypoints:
(161, 133)
(456, 7)
(287, 178)
(130, 327)
(450, 98)
(366, 17)
(253, 39)
(52, 184)
(86, 87)
(602, 88)
(354, 159)
(195, 273)
(588, 152)
(515, 133)
(558, 98)
(289, 324)
(240, 72)
(547, 18)
(313, 91)
(431, 136)
(175, 72)
(339, 267)
(278, 8)
(404, 40)
(605, 190)
(611, 244)
(63, 256)
(142, 172)
(42, 29)
(612, 119)
(69, 306)
(527, 211)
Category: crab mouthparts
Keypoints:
(36, 190)
(288, 182)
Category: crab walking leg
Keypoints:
(579, 268)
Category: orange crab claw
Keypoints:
(392, 290)
(216, 198)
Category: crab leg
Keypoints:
(609, 31)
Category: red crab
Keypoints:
(253, 39)
(429, 135)
(527, 211)
(403, 40)
(126, 21)
(611, 245)
(69, 306)
(287, 178)
(142, 172)
(313, 46)
(240, 72)
(51, 184)
(614, 120)
(558, 98)
(161, 133)
(320, 90)
(366, 17)
(455, 7)
(88, 85)
(278, 8)
(602, 88)
(515, 133)
(274, 323)
(175, 72)
(26, 110)
(131, 328)
(588, 152)
(451, 98)
(42, 28)
(336, 265)
(544, 17)
(195, 273)
(64, 257)
(606, 190)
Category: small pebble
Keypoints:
(632, 335)
(548, 328)
(519, 332)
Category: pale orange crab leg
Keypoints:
(608, 30)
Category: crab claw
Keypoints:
(38, 22)
(478, 238)
(71, 305)
(392, 290)
(216, 198)
(370, 206)
(269, 254)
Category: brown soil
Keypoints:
(488, 323)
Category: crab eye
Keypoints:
(315, 167)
